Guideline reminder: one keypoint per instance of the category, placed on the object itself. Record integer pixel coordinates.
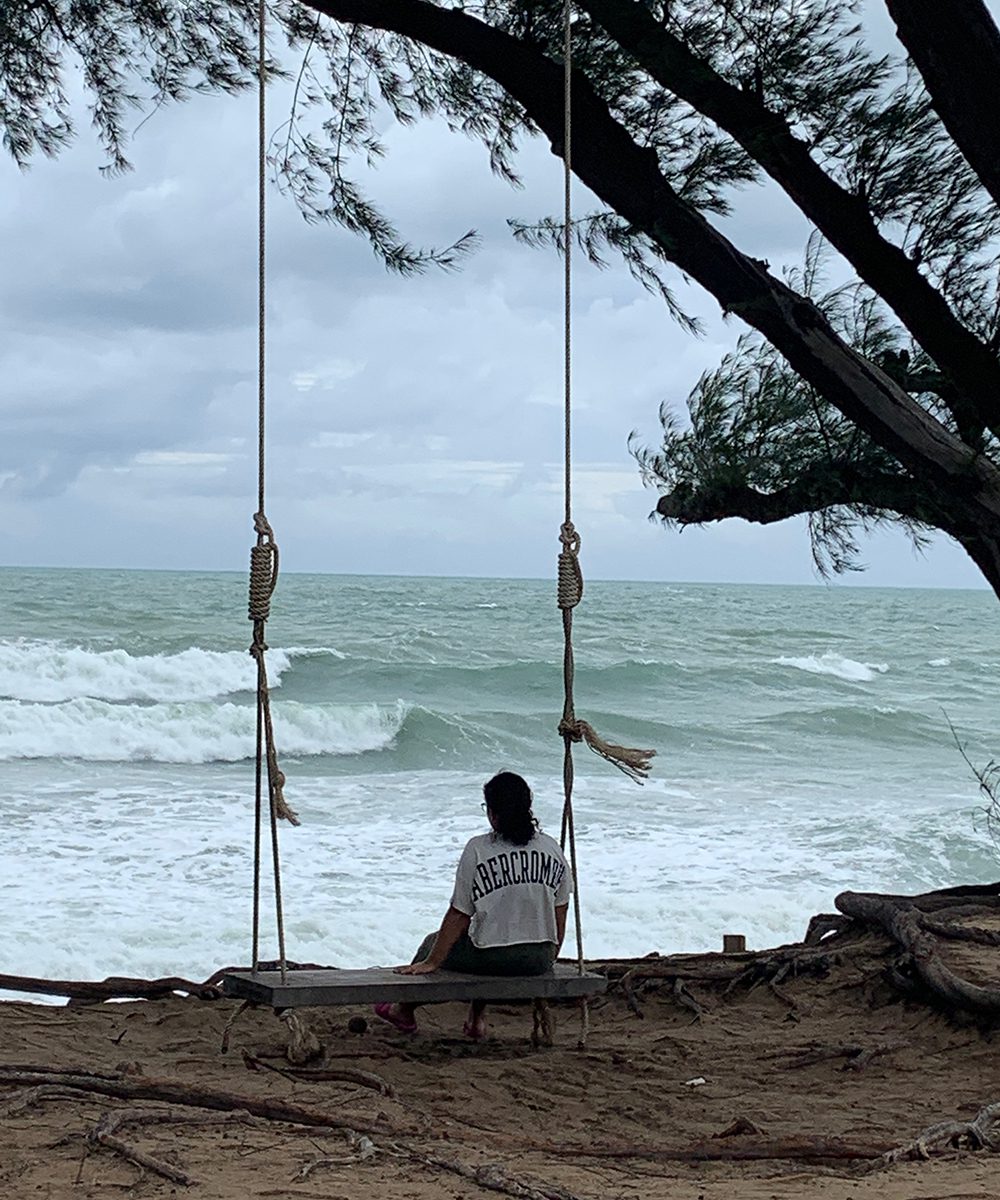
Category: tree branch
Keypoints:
(628, 178)
(816, 487)
(956, 49)
(843, 219)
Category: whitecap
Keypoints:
(939, 662)
(313, 652)
(836, 665)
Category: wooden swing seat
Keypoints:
(303, 989)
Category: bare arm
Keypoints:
(561, 910)
(455, 923)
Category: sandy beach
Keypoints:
(790, 1090)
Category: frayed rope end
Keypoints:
(636, 764)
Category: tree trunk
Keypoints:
(984, 551)
(956, 48)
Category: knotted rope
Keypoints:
(634, 763)
(263, 579)
(264, 562)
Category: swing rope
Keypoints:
(634, 763)
(264, 561)
(264, 557)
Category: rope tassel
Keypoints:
(636, 764)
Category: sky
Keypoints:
(415, 425)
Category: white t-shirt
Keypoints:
(511, 892)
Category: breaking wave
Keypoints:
(99, 731)
(51, 673)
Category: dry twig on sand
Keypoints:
(366, 1079)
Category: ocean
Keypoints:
(802, 734)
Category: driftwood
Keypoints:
(123, 987)
(961, 933)
(916, 924)
(903, 918)
(713, 967)
(115, 987)
(663, 972)
(686, 999)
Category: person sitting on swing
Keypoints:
(508, 911)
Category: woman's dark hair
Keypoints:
(508, 798)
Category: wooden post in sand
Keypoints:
(733, 943)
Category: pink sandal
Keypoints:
(472, 1033)
(384, 1013)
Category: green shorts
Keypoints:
(527, 958)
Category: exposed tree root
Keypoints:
(741, 1142)
(918, 925)
(736, 1148)
(902, 918)
(366, 1079)
(824, 924)
(981, 1133)
(961, 933)
(858, 1057)
(175, 1091)
(105, 1133)
(20, 1101)
(493, 1177)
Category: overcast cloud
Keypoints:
(415, 424)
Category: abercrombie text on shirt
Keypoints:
(511, 892)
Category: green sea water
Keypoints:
(803, 734)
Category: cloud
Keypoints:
(412, 424)
(180, 458)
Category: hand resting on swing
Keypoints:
(454, 925)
